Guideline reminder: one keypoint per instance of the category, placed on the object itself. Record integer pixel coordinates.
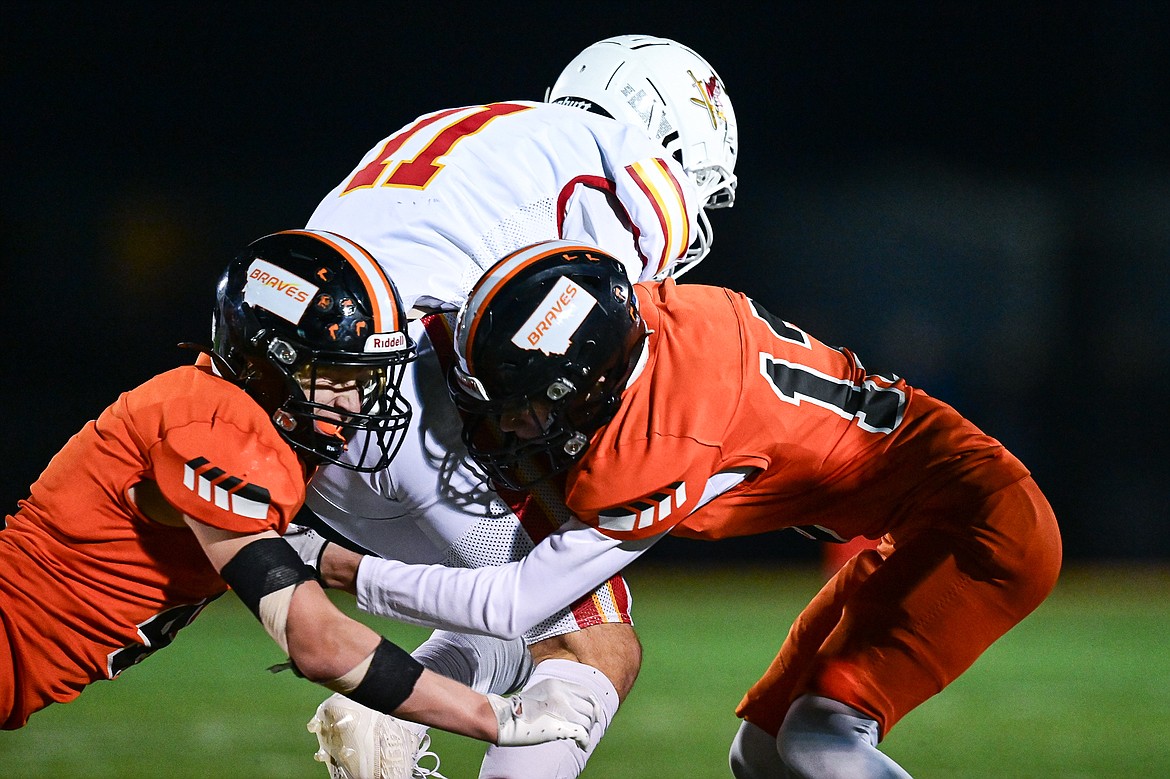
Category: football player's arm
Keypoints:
(645, 217)
(503, 601)
(331, 649)
(662, 206)
(508, 600)
(656, 198)
(595, 217)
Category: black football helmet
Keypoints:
(551, 331)
(304, 313)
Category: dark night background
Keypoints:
(973, 195)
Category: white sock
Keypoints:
(555, 759)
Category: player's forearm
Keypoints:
(339, 567)
(503, 601)
(323, 643)
(442, 703)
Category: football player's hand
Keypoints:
(309, 545)
(548, 710)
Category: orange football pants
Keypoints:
(899, 623)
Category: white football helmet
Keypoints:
(677, 98)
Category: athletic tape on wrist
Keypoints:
(383, 680)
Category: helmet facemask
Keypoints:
(520, 442)
(342, 410)
(311, 328)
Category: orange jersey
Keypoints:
(836, 452)
(725, 386)
(88, 584)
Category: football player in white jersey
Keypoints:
(636, 139)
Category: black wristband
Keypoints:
(262, 567)
(389, 680)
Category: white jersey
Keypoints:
(432, 506)
(436, 204)
(445, 197)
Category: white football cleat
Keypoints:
(360, 743)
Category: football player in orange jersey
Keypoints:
(691, 410)
(180, 489)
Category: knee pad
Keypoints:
(483, 663)
(824, 739)
(754, 754)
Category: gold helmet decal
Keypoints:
(710, 92)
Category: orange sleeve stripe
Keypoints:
(374, 278)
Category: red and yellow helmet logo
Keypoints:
(710, 94)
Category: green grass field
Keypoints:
(1080, 689)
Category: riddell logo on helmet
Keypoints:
(386, 342)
